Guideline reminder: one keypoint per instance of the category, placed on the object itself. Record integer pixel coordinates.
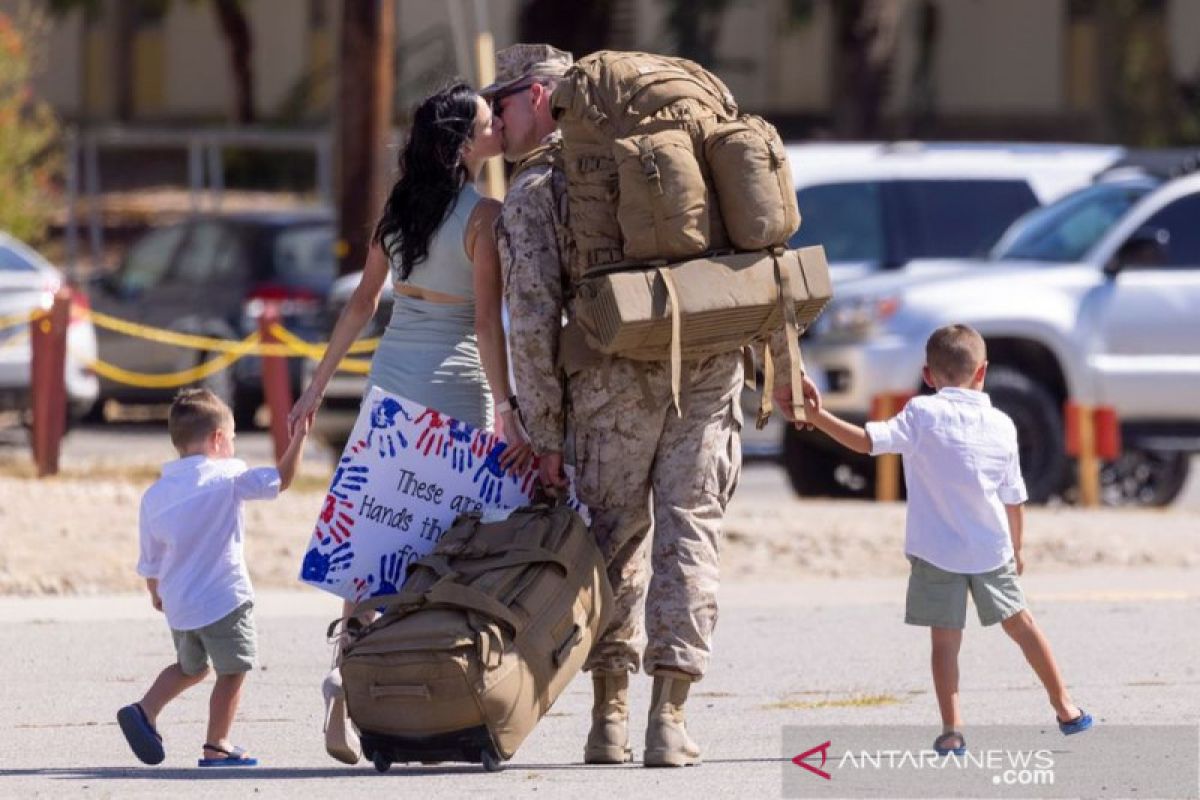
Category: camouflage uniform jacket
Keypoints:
(532, 237)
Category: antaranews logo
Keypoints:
(801, 760)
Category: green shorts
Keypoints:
(231, 643)
(938, 599)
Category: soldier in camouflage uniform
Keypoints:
(639, 465)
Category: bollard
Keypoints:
(48, 387)
(1093, 434)
(887, 467)
(277, 385)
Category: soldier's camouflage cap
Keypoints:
(520, 62)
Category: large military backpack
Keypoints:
(679, 210)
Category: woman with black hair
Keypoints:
(445, 344)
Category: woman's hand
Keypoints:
(519, 453)
(305, 409)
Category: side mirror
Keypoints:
(1147, 247)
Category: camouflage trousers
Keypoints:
(657, 485)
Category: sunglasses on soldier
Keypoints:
(500, 95)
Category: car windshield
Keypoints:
(1066, 230)
(305, 254)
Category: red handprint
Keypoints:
(334, 522)
(433, 437)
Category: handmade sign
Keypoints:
(407, 472)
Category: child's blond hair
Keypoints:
(194, 414)
(954, 352)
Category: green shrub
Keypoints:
(30, 156)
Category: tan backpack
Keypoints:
(486, 633)
(665, 182)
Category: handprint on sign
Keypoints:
(393, 569)
(461, 434)
(383, 420)
(489, 476)
(361, 585)
(317, 566)
(334, 523)
(432, 438)
(347, 478)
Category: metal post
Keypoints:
(73, 205)
(277, 386)
(48, 390)
(195, 172)
(216, 172)
(91, 179)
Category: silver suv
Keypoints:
(1095, 298)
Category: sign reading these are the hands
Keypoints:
(407, 472)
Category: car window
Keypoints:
(1066, 230)
(1181, 221)
(210, 254)
(149, 259)
(954, 218)
(847, 218)
(13, 260)
(305, 254)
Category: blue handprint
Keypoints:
(461, 435)
(489, 475)
(317, 565)
(383, 418)
(348, 478)
(393, 569)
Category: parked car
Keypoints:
(1095, 298)
(877, 206)
(28, 282)
(212, 275)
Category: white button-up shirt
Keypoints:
(191, 532)
(961, 468)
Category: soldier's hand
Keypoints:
(551, 472)
(783, 401)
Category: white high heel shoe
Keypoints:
(341, 741)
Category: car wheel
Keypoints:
(1033, 410)
(818, 472)
(1144, 478)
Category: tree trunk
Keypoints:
(366, 80)
(236, 30)
(579, 27)
(865, 34)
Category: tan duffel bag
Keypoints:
(483, 638)
(698, 308)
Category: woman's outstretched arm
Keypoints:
(480, 243)
(349, 325)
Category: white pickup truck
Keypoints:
(1094, 299)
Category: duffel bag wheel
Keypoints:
(491, 762)
(382, 762)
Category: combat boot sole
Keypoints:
(607, 754)
(663, 757)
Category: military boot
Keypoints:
(667, 740)
(608, 740)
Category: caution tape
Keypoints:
(316, 351)
(171, 380)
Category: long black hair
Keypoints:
(432, 173)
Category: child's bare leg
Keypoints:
(944, 660)
(169, 684)
(1026, 633)
(222, 707)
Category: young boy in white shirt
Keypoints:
(964, 521)
(191, 532)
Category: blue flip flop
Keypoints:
(233, 758)
(939, 744)
(143, 739)
(1077, 725)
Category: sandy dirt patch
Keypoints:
(77, 534)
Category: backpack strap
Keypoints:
(676, 331)
(792, 332)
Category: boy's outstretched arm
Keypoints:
(1016, 529)
(152, 587)
(842, 432)
(289, 462)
